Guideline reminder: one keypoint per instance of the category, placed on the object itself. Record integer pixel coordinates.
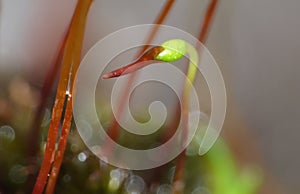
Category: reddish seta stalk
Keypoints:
(114, 128)
(70, 64)
(179, 172)
(146, 59)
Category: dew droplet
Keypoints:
(7, 133)
(82, 156)
(115, 173)
(74, 147)
(201, 190)
(116, 178)
(67, 178)
(135, 184)
(165, 189)
(113, 184)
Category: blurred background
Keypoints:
(256, 44)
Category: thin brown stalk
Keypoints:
(58, 104)
(114, 128)
(35, 128)
(69, 109)
(179, 172)
(34, 132)
(61, 148)
(207, 21)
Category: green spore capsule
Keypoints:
(174, 50)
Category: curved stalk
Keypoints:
(113, 130)
(208, 18)
(173, 50)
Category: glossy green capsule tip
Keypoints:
(174, 50)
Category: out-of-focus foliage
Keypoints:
(82, 172)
